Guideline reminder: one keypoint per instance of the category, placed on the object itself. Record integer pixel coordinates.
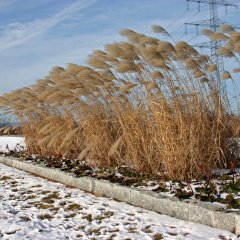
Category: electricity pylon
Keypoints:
(213, 24)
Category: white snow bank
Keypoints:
(35, 208)
(8, 143)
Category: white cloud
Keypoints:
(18, 33)
(18, 70)
(21, 66)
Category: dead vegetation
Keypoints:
(150, 104)
(10, 130)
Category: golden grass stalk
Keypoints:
(218, 36)
(71, 134)
(170, 111)
(223, 51)
(124, 67)
(115, 147)
(159, 29)
(226, 28)
(151, 85)
(236, 70)
(84, 153)
(237, 47)
(212, 68)
(235, 37)
(226, 75)
(127, 87)
(204, 80)
(157, 75)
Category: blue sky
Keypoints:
(36, 35)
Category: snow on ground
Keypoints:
(35, 208)
(11, 142)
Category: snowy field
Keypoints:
(11, 142)
(35, 208)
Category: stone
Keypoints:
(200, 215)
(224, 221)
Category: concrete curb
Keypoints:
(198, 212)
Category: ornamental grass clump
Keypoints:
(230, 50)
(153, 105)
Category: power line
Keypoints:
(176, 19)
(192, 38)
(188, 18)
(213, 23)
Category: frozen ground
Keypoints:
(168, 188)
(35, 208)
(10, 143)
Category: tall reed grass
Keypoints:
(153, 105)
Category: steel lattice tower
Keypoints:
(213, 24)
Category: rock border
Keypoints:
(194, 211)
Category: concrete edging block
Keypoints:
(121, 193)
(225, 221)
(200, 215)
(103, 187)
(195, 212)
(237, 224)
(152, 202)
(84, 183)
